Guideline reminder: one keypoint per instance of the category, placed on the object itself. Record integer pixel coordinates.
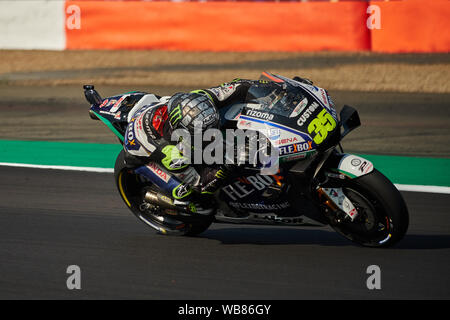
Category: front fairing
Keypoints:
(298, 119)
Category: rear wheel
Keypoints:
(168, 222)
(382, 217)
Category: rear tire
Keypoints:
(130, 186)
(383, 216)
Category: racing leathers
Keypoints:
(152, 154)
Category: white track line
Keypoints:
(401, 187)
(419, 188)
(39, 166)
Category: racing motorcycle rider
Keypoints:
(151, 152)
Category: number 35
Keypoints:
(321, 126)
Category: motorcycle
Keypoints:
(316, 183)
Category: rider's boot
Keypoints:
(214, 178)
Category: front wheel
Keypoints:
(382, 217)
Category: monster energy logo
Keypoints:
(220, 174)
(175, 115)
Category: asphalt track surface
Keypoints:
(51, 219)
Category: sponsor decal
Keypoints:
(365, 167)
(181, 191)
(324, 96)
(107, 112)
(275, 218)
(260, 115)
(118, 103)
(189, 176)
(299, 108)
(111, 102)
(295, 148)
(244, 123)
(295, 157)
(166, 199)
(274, 134)
(355, 162)
(334, 193)
(224, 91)
(138, 122)
(104, 103)
(130, 131)
(259, 206)
(159, 172)
(130, 142)
(245, 186)
(175, 115)
(178, 163)
(335, 175)
(352, 212)
(341, 200)
(216, 91)
(147, 123)
(237, 191)
(307, 113)
(330, 101)
(354, 166)
(286, 140)
(209, 119)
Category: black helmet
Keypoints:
(187, 109)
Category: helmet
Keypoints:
(189, 109)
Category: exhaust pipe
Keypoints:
(160, 200)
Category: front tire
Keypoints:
(383, 216)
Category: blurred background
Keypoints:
(389, 59)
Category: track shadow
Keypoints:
(287, 236)
(422, 241)
(275, 236)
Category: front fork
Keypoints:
(340, 167)
(335, 199)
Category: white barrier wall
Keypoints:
(32, 24)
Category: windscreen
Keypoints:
(276, 98)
